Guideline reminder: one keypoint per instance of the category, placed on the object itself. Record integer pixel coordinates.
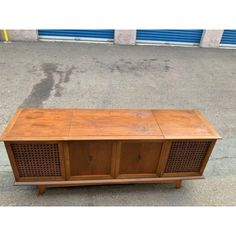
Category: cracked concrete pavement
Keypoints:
(46, 74)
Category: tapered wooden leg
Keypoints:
(42, 189)
(178, 183)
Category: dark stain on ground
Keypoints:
(42, 90)
(117, 68)
(63, 79)
(122, 66)
(135, 66)
(58, 86)
(68, 73)
(150, 59)
(128, 62)
(167, 68)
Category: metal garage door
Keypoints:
(190, 37)
(85, 35)
(228, 38)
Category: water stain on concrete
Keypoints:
(150, 59)
(167, 68)
(136, 66)
(68, 73)
(64, 77)
(58, 86)
(42, 90)
(123, 67)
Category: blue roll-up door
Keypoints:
(228, 38)
(192, 37)
(92, 35)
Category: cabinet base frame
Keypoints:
(55, 184)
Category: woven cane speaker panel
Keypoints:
(186, 156)
(37, 160)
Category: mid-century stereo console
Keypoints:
(72, 147)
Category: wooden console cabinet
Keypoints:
(71, 147)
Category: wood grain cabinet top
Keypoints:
(107, 124)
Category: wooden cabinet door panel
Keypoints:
(90, 159)
(138, 159)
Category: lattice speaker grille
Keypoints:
(37, 160)
(186, 156)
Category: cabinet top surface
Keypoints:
(107, 124)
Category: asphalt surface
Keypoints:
(77, 75)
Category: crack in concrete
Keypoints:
(216, 159)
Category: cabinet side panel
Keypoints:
(207, 156)
(12, 160)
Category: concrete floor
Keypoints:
(107, 76)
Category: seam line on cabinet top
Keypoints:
(71, 120)
(158, 124)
